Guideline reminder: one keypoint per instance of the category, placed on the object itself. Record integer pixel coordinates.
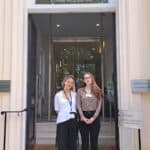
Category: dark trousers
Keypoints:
(89, 133)
(67, 135)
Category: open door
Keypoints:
(57, 47)
(31, 86)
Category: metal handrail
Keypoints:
(5, 121)
(139, 138)
(20, 111)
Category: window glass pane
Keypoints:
(71, 44)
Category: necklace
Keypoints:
(67, 94)
(69, 99)
(88, 90)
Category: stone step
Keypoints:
(53, 141)
(52, 147)
(51, 128)
(46, 133)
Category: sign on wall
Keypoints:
(4, 85)
(140, 86)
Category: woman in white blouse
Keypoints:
(65, 106)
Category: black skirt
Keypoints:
(66, 135)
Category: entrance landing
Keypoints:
(46, 133)
(52, 147)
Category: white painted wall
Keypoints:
(13, 25)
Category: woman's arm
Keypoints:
(56, 104)
(83, 118)
(79, 103)
(91, 120)
(75, 102)
(98, 109)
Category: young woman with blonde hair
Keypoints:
(65, 106)
(89, 105)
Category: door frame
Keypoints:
(110, 7)
(71, 8)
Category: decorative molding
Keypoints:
(71, 8)
(131, 119)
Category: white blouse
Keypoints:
(63, 107)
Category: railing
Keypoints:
(5, 121)
(69, 1)
(139, 138)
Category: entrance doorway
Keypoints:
(63, 44)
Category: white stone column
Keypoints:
(13, 23)
(129, 45)
(5, 58)
(145, 73)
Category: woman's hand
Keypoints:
(90, 121)
(84, 119)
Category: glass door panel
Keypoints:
(74, 59)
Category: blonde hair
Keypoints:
(66, 78)
(94, 87)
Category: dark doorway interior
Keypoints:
(31, 86)
(61, 44)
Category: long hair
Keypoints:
(94, 87)
(66, 78)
